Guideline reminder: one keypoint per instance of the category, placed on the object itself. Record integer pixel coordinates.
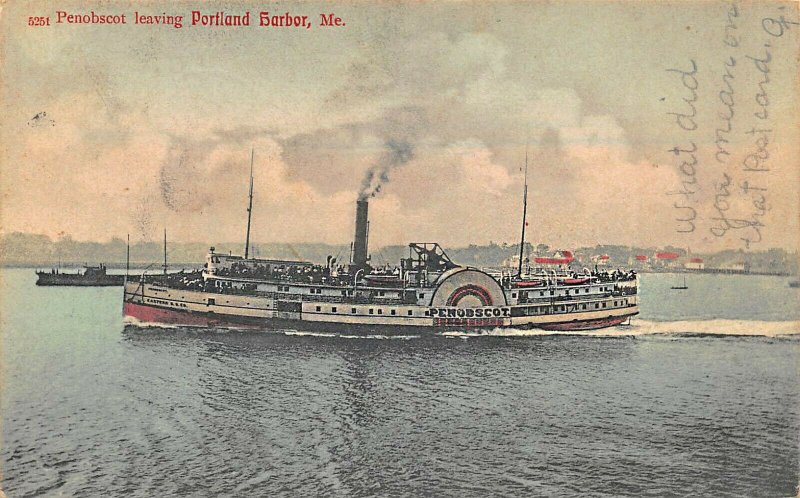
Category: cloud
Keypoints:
(469, 139)
(476, 170)
(142, 139)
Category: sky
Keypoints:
(428, 109)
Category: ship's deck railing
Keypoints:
(577, 297)
(317, 298)
(568, 308)
(340, 283)
(557, 278)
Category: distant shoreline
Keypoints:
(31, 250)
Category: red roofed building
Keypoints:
(601, 260)
(695, 264)
(666, 259)
(559, 258)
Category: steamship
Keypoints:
(92, 276)
(426, 291)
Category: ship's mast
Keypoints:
(524, 214)
(128, 258)
(165, 251)
(249, 207)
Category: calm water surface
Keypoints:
(671, 406)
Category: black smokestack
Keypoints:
(360, 239)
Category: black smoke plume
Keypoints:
(397, 153)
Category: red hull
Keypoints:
(585, 325)
(149, 314)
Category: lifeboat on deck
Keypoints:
(529, 283)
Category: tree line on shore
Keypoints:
(22, 249)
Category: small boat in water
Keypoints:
(90, 276)
(680, 287)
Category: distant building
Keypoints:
(667, 259)
(695, 264)
(601, 260)
(737, 267)
(558, 258)
(639, 261)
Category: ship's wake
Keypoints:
(348, 336)
(637, 328)
(134, 325)
(683, 328)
